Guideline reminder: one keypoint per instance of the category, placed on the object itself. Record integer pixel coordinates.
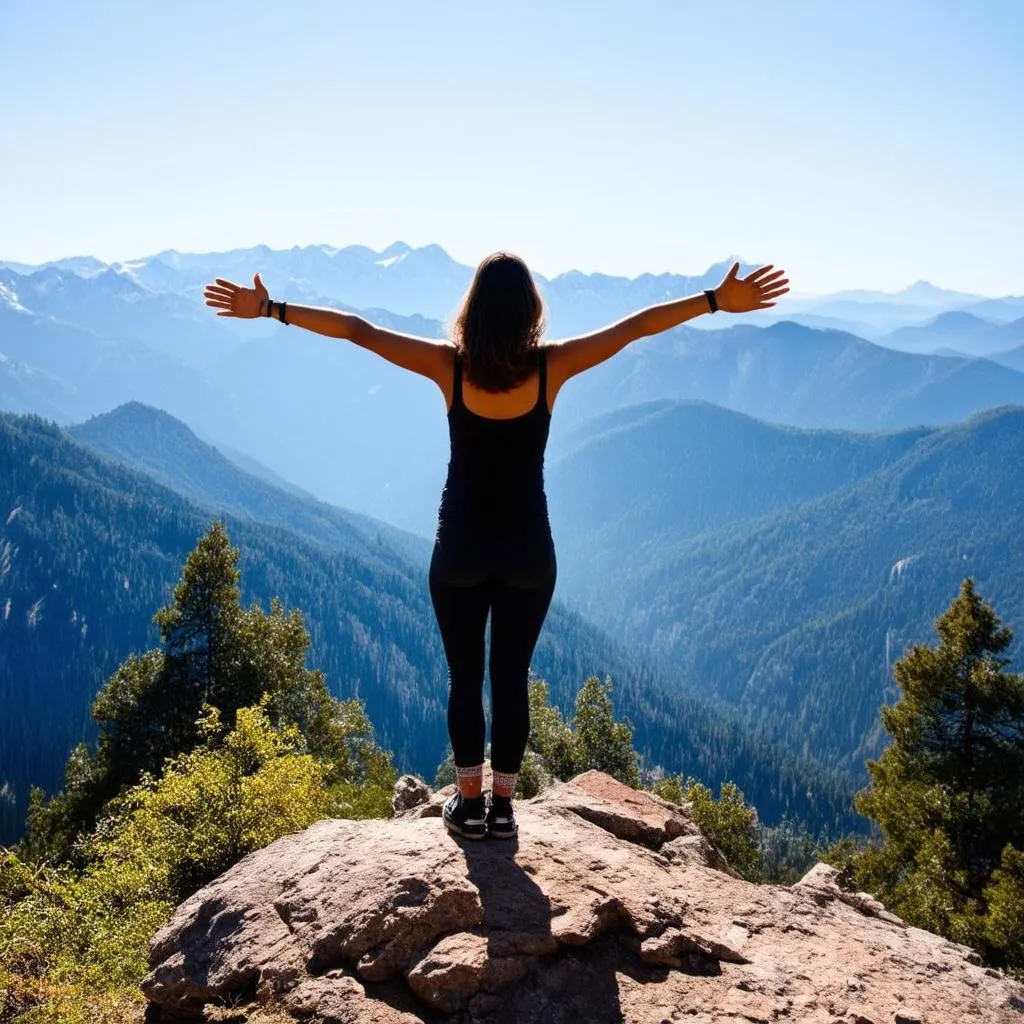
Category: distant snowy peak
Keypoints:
(922, 288)
(169, 257)
(83, 266)
(121, 281)
(9, 299)
(396, 250)
(393, 255)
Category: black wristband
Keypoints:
(284, 312)
(712, 301)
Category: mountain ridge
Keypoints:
(92, 549)
(787, 614)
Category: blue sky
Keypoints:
(857, 144)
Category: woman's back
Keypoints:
(496, 470)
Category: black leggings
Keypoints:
(513, 580)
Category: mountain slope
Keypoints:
(76, 373)
(641, 480)
(157, 444)
(88, 550)
(1013, 359)
(792, 374)
(795, 617)
(959, 331)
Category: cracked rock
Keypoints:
(594, 914)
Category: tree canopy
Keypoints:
(948, 793)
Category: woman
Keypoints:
(493, 551)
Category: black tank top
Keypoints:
(496, 469)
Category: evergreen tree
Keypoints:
(1005, 898)
(948, 793)
(73, 942)
(729, 822)
(602, 742)
(214, 654)
(551, 738)
(557, 749)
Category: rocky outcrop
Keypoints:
(609, 907)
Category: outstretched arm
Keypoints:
(758, 290)
(421, 355)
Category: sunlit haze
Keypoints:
(859, 145)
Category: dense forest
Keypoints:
(89, 549)
(784, 570)
(221, 739)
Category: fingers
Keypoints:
(773, 291)
(756, 275)
(222, 295)
(733, 271)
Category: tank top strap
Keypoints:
(457, 388)
(542, 397)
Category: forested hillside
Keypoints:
(157, 444)
(789, 373)
(790, 606)
(88, 550)
(640, 480)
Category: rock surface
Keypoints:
(606, 908)
(410, 791)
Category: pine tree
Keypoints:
(602, 742)
(214, 654)
(551, 738)
(948, 792)
(1005, 898)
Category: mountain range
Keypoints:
(426, 281)
(344, 425)
(90, 546)
(785, 570)
(754, 516)
(957, 333)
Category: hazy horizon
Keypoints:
(693, 271)
(857, 146)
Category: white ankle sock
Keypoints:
(472, 773)
(505, 781)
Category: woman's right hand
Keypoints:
(758, 290)
(234, 300)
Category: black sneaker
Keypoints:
(465, 815)
(501, 819)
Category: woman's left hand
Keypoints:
(757, 290)
(235, 300)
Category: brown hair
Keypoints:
(497, 331)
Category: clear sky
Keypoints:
(857, 143)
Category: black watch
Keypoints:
(712, 301)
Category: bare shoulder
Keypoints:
(444, 375)
(557, 368)
(570, 356)
(561, 355)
